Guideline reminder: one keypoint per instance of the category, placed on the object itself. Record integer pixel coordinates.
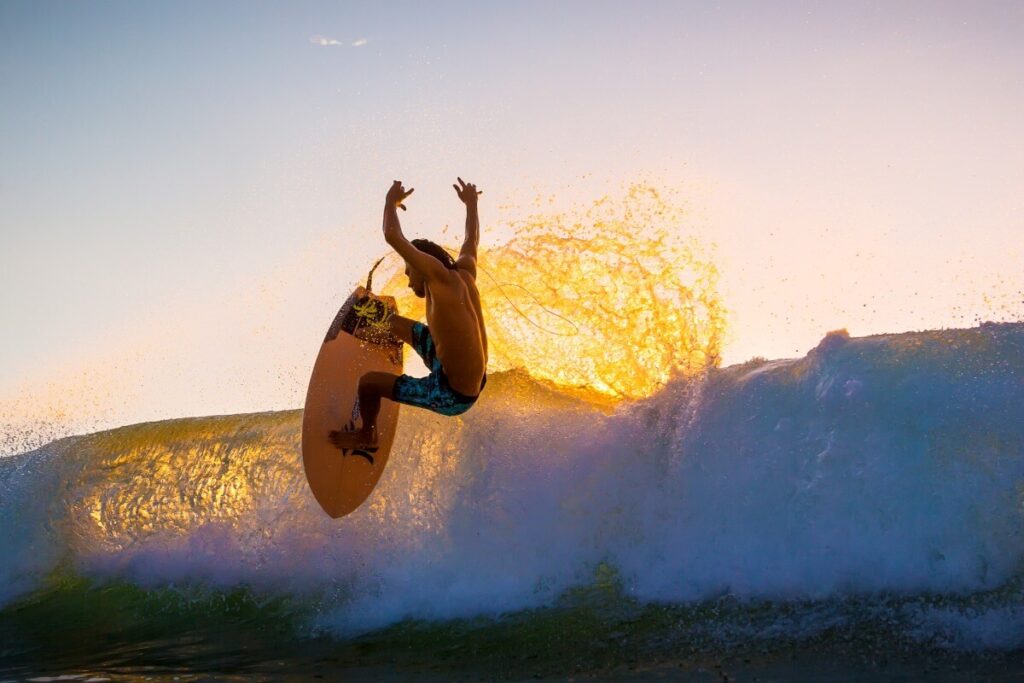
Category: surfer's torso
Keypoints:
(456, 323)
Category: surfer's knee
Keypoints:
(401, 328)
(380, 383)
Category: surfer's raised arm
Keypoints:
(467, 255)
(453, 343)
(430, 267)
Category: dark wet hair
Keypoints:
(435, 250)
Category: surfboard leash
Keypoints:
(369, 276)
(575, 327)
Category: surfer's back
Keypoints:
(455, 319)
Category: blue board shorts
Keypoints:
(433, 391)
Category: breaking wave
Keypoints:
(885, 469)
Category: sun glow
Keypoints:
(611, 299)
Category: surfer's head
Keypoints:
(416, 280)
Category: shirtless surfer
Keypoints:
(453, 343)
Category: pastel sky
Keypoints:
(187, 188)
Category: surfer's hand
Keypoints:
(397, 195)
(467, 193)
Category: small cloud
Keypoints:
(324, 41)
(360, 42)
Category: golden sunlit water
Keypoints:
(165, 479)
(612, 299)
(233, 480)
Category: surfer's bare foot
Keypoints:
(351, 440)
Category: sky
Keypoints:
(186, 188)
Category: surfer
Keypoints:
(453, 343)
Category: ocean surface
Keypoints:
(855, 513)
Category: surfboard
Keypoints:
(355, 344)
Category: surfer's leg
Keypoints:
(433, 393)
(423, 344)
(373, 386)
(415, 391)
(402, 328)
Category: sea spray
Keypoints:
(612, 299)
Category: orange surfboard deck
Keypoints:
(342, 479)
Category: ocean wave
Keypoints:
(887, 465)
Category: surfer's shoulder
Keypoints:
(466, 263)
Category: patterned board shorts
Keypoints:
(433, 391)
